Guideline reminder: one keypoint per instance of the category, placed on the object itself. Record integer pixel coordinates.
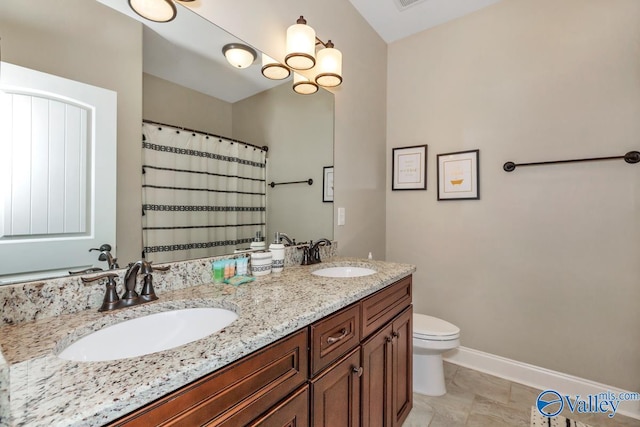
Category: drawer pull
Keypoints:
(343, 333)
(357, 370)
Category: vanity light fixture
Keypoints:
(301, 46)
(303, 85)
(325, 66)
(239, 55)
(155, 10)
(274, 70)
(329, 65)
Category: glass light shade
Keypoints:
(239, 55)
(154, 10)
(274, 70)
(329, 66)
(301, 46)
(303, 85)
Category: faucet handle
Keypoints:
(155, 268)
(148, 293)
(110, 276)
(305, 255)
(86, 270)
(111, 295)
(105, 255)
(103, 248)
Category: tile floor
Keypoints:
(475, 399)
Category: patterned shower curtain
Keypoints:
(202, 195)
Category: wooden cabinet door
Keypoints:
(292, 412)
(376, 379)
(402, 374)
(387, 360)
(335, 394)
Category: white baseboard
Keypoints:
(535, 376)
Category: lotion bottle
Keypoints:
(277, 251)
(258, 242)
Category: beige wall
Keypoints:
(545, 267)
(299, 133)
(360, 115)
(167, 102)
(89, 42)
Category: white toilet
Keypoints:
(431, 338)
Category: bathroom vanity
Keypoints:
(316, 376)
(306, 349)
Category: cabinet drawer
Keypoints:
(234, 395)
(334, 336)
(292, 412)
(384, 305)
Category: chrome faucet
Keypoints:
(311, 254)
(130, 297)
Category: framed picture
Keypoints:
(409, 168)
(458, 175)
(327, 184)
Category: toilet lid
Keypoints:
(429, 326)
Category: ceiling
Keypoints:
(188, 52)
(191, 48)
(397, 19)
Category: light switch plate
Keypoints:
(341, 216)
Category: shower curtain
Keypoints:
(202, 195)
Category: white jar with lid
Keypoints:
(261, 263)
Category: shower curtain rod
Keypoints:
(307, 181)
(264, 147)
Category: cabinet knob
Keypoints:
(395, 334)
(357, 370)
(388, 339)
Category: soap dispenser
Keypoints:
(258, 242)
(277, 252)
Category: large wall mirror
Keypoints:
(175, 73)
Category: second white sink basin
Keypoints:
(343, 271)
(148, 334)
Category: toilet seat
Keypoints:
(433, 329)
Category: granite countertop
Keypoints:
(44, 390)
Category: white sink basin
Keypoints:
(343, 272)
(148, 334)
